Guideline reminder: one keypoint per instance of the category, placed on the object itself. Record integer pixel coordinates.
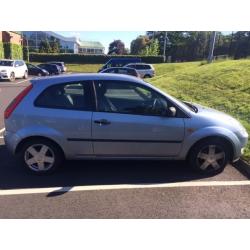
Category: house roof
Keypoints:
(90, 44)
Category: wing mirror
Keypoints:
(172, 111)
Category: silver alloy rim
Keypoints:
(211, 157)
(39, 157)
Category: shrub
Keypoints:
(1, 50)
(13, 51)
(88, 59)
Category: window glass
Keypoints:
(75, 96)
(125, 97)
(17, 64)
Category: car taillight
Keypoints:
(11, 107)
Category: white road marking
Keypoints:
(2, 130)
(22, 81)
(1, 137)
(122, 186)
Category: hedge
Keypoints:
(1, 51)
(13, 51)
(88, 59)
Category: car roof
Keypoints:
(139, 63)
(118, 68)
(50, 80)
(8, 60)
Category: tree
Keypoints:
(54, 45)
(139, 44)
(44, 46)
(117, 47)
(151, 49)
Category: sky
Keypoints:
(105, 37)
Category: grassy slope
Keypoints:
(222, 85)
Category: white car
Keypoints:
(143, 69)
(12, 69)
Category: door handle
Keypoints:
(102, 122)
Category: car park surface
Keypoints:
(109, 189)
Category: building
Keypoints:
(11, 45)
(67, 44)
(13, 37)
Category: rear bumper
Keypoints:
(11, 141)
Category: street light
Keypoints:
(211, 47)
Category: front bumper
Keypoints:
(4, 75)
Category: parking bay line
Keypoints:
(2, 130)
(122, 187)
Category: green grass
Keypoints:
(86, 68)
(223, 85)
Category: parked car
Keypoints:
(98, 116)
(144, 70)
(12, 69)
(53, 69)
(61, 65)
(119, 62)
(121, 70)
(36, 71)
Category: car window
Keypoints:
(75, 96)
(16, 64)
(129, 98)
(21, 63)
(110, 71)
(122, 71)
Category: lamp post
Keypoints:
(211, 47)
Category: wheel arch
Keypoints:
(224, 139)
(30, 138)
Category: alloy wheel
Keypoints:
(211, 157)
(39, 157)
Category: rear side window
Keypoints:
(142, 66)
(74, 96)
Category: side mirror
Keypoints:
(172, 111)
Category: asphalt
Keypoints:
(159, 202)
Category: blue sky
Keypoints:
(105, 37)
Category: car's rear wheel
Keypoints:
(41, 156)
(12, 77)
(25, 75)
(147, 76)
(209, 156)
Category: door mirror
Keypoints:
(172, 111)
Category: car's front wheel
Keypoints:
(209, 156)
(41, 156)
(25, 75)
(12, 77)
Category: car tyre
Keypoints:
(147, 76)
(25, 75)
(41, 156)
(209, 156)
(12, 77)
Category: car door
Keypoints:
(131, 120)
(67, 109)
(18, 69)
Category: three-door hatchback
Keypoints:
(114, 116)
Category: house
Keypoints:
(11, 45)
(13, 37)
(67, 44)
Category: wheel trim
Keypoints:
(211, 156)
(39, 157)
